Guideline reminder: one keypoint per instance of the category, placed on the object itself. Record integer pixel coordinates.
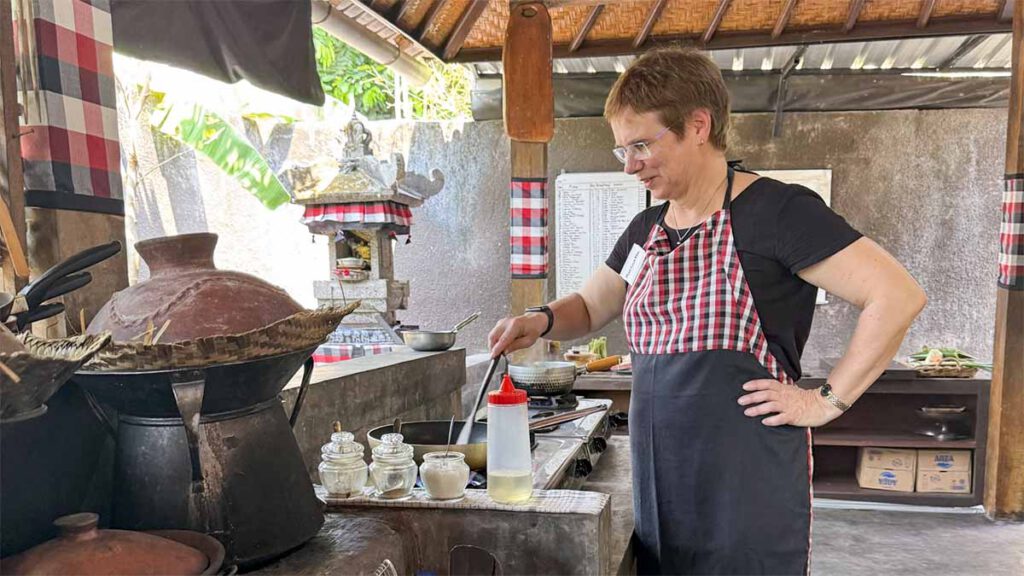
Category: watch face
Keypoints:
(825, 390)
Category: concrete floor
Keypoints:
(862, 542)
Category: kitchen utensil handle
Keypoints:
(188, 389)
(603, 363)
(69, 283)
(35, 290)
(466, 322)
(27, 317)
(563, 418)
(467, 428)
(307, 375)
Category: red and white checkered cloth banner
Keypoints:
(1011, 234)
(71, 144)
(528, 228)
(328, 353)
(359, 213)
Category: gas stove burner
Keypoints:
(563, 402)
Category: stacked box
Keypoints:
(886, 469)
(944, 471)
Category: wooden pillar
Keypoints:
(528, 110)
(1004, 470)
(15, 264)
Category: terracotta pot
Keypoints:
(191, 295)
(83, 549)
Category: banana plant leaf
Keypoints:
(207, 133)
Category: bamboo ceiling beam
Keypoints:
(652, 17)
(1004, 467)
(1005, 11)
(716, 21)
(564, 3)
(378, 6)
(430, 19)
(851, 17)
(463, 28)
(787, 13)
(890, 31)
(588, 24)
(927, 8)
(407, 7)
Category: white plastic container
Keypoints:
(509, 465)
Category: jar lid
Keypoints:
(342, 443)
(507, 395)
(81, 548)
(391, 447)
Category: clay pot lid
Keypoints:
(83, 549)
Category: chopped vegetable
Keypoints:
(599, 346)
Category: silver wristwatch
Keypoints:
(826, 393)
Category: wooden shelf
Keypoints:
(826, 437)
(846, 488)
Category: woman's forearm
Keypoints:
(571, 318)
(881, 327)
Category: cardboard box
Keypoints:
(888, 458)
(944, 471)
(886, 469)
(951, 481)
(947, 460)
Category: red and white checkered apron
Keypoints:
(695, 298)
(715, 491)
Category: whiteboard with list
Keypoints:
(592, 209)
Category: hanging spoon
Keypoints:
(451, 426)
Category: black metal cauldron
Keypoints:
(212, 450)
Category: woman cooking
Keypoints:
(716, 288)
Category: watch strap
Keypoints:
(826, 392)
(547, 312)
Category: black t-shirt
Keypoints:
(779, 229)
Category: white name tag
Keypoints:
(634, 262)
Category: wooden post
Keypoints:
(10, 154)
(528, 97)
(1004, 482)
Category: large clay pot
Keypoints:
(197, 299)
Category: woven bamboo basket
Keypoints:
(301, 330)
(949, 368)
(41, 369)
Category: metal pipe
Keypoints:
(376, 48)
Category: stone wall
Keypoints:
(926, 185)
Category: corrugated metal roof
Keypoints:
(910, 54)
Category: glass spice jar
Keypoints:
(393, 469)
(342, 470)
(445, 475)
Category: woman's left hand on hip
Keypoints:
(787, 404)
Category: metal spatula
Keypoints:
(467, 428)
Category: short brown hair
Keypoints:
(673, 82)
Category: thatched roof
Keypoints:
(473, 30)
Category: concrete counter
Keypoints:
(367, 392)
(613, 476)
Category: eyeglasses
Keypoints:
(638, 150)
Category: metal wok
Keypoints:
(431, 436)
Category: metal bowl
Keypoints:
(427, 341)
(544, 378)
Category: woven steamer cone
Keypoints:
(41, 369)
(301, 330)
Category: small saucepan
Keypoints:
(428, 341)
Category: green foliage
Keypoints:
(351, 77)
(208, 133)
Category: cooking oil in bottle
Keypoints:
(509, 486)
